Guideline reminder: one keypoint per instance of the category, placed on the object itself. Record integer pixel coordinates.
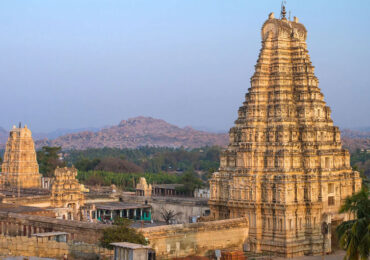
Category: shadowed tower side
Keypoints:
(20, 168)
(285, 168)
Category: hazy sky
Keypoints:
(79, 63)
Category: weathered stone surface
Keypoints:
(20, 168)
(42, 247)
(285, 168)
(197, 239)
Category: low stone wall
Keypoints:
(32, 201)
(31, 246)
(14, 224)
(200, 239)
(42, 247)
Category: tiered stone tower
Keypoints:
(20, 168)
(67, 193)
(285, 167)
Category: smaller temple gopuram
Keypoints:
(20, 168)
(66, 193)
(143, 188)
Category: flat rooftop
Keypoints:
(130, 245)
(49, 234)
(19, 209)
(28, 192)
(120, 205)
(167, 186)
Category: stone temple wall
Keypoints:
(42, 247)
(14, 224)
(197, 239)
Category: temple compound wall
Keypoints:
(168, 241)
(197, 239)
(14, 224)
(43, 247)
(285, 168)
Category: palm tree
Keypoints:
(354, 235)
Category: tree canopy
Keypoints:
(48, 160)
(121, 231)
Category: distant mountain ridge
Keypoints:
(147, 131)
(63, 131)
(136, 132)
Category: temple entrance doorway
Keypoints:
(334, 237)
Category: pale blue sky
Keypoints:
(79, 63)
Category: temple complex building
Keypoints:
(20, 168)
(285, 168)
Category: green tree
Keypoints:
(86, 165)
(120, 231)
(354, 235)
(190, 181)
(48, 160)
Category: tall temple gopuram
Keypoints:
(20, 168)
(285, 168)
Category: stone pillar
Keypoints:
(141, 214)
(120, 213)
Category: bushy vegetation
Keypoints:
(120, 231)
(354, 235)
(146, 159)
(48, 160)
(126, 181)
(124, 167)
(360, 161)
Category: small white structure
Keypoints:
(57, 236)
(202, 193)
(130, 251)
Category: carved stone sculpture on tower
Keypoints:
(20, 168)
(285, 168)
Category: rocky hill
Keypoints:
(146, 131)
(135, 132)
(355, 139)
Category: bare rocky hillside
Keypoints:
(135, 132)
